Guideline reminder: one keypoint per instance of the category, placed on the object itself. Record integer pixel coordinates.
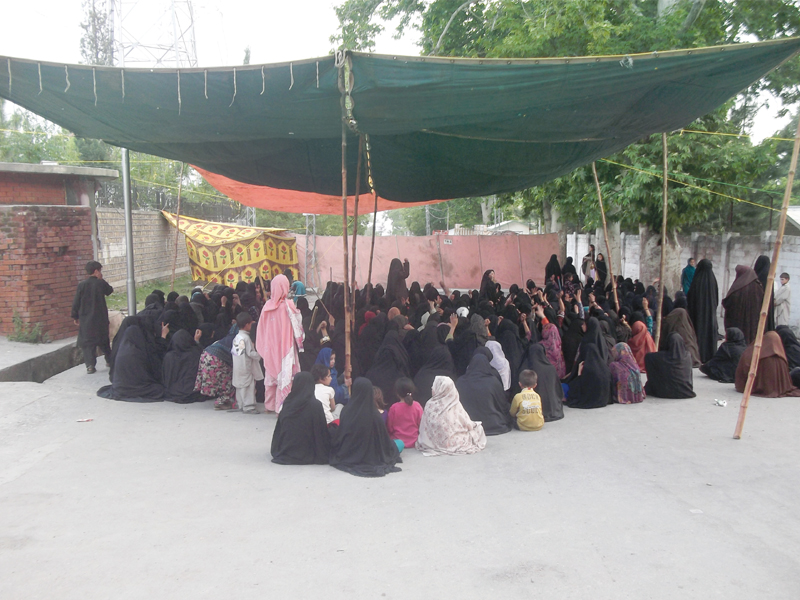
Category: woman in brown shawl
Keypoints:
(772, 376)
(678, 321)
(743, 303)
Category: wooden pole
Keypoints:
(663, 244)
(374, 225)
(177, 230)
(346, 260)
(605, 235)
(355, 227)
(762, 319)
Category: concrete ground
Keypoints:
(12, 353)
(151, 501)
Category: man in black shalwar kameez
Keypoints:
(90, 314)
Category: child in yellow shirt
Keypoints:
(526, 407)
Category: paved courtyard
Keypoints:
(151, 501)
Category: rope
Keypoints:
(66, 73)
(205, 83)
(94, 85)
(263, 82)
(39, 66)
(179, 91)
(122, 75)
(234, 88)
(739, 135)
(689, 185)
(291, 75)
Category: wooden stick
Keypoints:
(355, 228)
(762, 319)
(374, 224)
(663, 245)
(605, 234)
(342, 74)
(177, 230)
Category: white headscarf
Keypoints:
(446, 427)
(500, 362)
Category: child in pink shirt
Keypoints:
(404, 416)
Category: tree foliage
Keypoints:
(97, 41)
(550, 28)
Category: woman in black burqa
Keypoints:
(488, 289)
(701, 304)
(742, 304)
(591, 387)
(722, 366)
(678, 321)
(552, 271)
(507, 333)
(669, 372)
(390, 364)
(762, 270)
(137, 365)
(396, 282)
(301, 434)
(482, 396)
(361, 445)
(790, 345)
(572, 341)
(179, 369)
(436, 360)
(549, 385)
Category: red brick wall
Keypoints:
(31, 188)
(43, 252)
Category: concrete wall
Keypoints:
(459, 261)
(43, 252)
(153, 246)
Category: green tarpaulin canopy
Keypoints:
(438, 128)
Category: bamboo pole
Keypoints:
(374, 225)
(177, 230)
(355, 228)
(342, 75)
(762, 319)
(605, 235)
(663, 244)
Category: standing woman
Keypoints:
(602, 269)
(743, 303)
(702, 300)
(552, 272)
(280, 336)
(762, 270)
(488, 289)
(396, 282)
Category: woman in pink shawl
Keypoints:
(552, 346)
(279, 337)
(626, 379)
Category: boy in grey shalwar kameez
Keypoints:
(246, 365)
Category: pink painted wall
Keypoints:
(459, 260)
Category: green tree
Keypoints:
(97, 41)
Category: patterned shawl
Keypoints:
(552, 345)
(446, 427)
(626, 380)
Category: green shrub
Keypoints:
(24, 332)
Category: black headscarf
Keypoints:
(594, 335)
(483, 398)
(390, 364)
(679, 322)
(602, 269)
(462, 346)
(301, 434)
(361, 445)
(569, 267)
(669, 372)
(369, 340)
(762, 270)
(722, 365)
(548, 385)
(507, 334)
(592, 388)
(701, 304)
(180, 369)
(790, 345)
(488, 290)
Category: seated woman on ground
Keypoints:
(361, 445)
(669, 372)
(445, 427)
(215, 374)
(626, 379)
(301, 434)
(722, 366)
(180, 367)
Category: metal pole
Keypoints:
(605, 235)
(762, 319)
(126, 195)
(663, 244)
(177, 230)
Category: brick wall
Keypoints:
(43, 252)
(24, 188)
(153, 246)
